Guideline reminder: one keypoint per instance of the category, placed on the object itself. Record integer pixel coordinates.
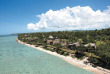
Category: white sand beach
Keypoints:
(73, 61)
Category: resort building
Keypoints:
(50, 37)
(90, 44)
(77, 44)
(56, 41)
(65, 43)
(50, 42)
(72, 46)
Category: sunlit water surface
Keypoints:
(20, 59)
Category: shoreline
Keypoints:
(73, 61)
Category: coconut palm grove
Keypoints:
(93, 44)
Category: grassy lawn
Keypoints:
(69, 51)
(99, 42)
(92, 55)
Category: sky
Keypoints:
(22, 16)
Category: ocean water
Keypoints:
(20, 59)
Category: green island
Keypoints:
(94, 44)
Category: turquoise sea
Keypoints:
(20, 59)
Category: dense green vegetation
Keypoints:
(99, 56)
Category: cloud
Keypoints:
(75, 18)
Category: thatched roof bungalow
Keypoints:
(72, 46)
(90, 44)
(50, 37)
